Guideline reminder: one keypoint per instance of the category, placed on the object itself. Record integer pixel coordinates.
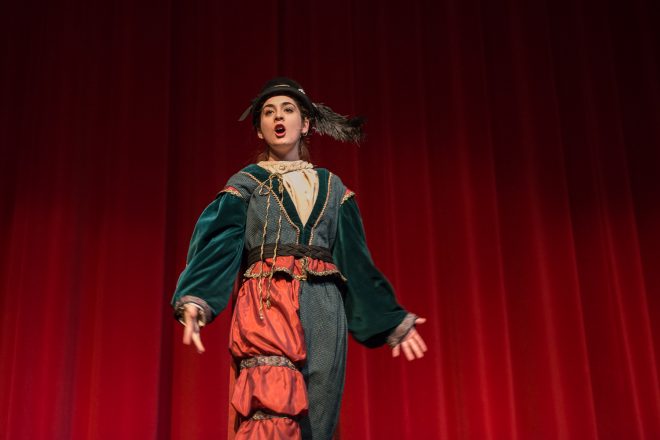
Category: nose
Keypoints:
(279, 115)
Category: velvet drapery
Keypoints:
(509, 188)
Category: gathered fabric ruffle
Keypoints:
(295, 268)
(279, 390)
(279, 332)
(271, 329)
(273, 429)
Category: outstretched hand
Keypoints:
(412, 344)
(191, 330)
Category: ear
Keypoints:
(305, 125)
(259, 133)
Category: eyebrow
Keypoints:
(273, 105)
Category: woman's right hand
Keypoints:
(191, 331)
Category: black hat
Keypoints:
(274, 87)
(323, 119)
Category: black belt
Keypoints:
(284, 250)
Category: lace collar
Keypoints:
(284, 166)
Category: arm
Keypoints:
(374, 316)
(214, 257)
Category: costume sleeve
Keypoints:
(371, 309)
(214, 257)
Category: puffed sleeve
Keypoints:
(214, 256)
(372, 311)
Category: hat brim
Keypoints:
(283, 89)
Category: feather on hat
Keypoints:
(324, 120)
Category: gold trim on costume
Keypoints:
(326, 273)
(231, 190)
(261, 415)
(347, 195)
(325, 204)
(270, 361)
(302, 277)
(285, 270)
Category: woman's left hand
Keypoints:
(412, 344)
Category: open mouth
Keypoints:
(280, 130)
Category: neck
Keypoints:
(290, 154)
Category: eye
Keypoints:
(289, 109)
(267, 112)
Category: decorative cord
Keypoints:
(268, 192)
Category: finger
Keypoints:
(420, 341)
(414, 347)
(188, 329)
(414, 335)
(420, 321)
(187, 335)
(197, 339)
(396, 350)
(407, 351)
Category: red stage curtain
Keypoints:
(509, 187)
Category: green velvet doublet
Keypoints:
(254, 209)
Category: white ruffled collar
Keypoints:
(284, 166)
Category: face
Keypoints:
(281, 124)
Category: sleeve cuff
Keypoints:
(401, 330)
(205, 315)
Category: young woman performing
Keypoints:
(307, 276)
